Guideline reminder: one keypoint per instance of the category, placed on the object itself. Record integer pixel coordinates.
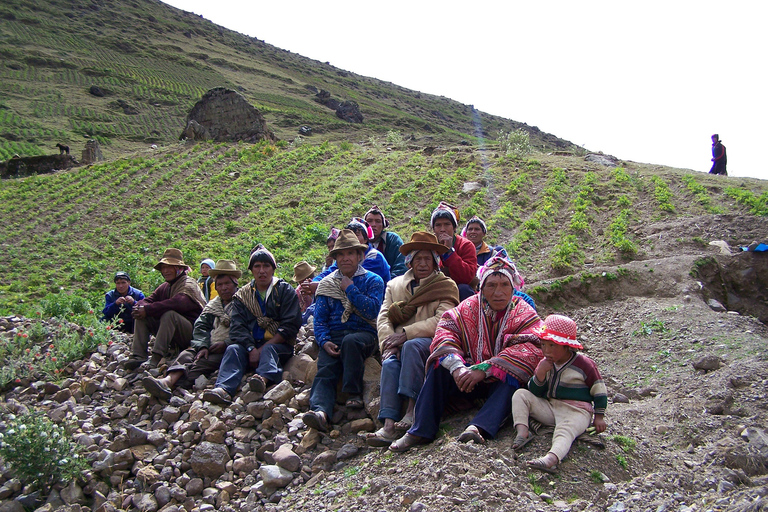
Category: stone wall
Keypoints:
(31, 165)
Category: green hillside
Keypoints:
(153, 62)
(69, 231)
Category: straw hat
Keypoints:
(225, 268)
(302, 270)
(423, 241)
(558, 329)
(347, 240)
(173, 257)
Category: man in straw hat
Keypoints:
(169, 313)
(346, 306)
(483, 348)
(460, 260)
(563, 392)
(210, 337)
(265, 319)
(413, 304)
(373, 260)
(303, 273)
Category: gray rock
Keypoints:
(274, 476)
(144, 502)
(72, 494)
(286, 458)
(163, 495)
(347, 451)
(716, 306)
(194, 487)
(244, 465)
(209, 459)
(620, 398)
(281, 393)
(136, 435)
(707, 362)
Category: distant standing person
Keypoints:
(719, 158)
(206, 281)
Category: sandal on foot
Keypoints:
(355, 402)
(471, 433)
(521, 441)
(381, 438)
(316, 420)
(406, 442)
(257, 384)
(541, 465)
(157, 388)
(217, 396)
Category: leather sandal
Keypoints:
(407, 442)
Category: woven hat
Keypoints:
(558, 329)
(500, 264)
(423, 241)
(173, 257)
(333, 235)
(474, 220)
(225, 268)
(347, 240)
(122, 275)
(377, 211)
(260, 253)
(302, 270)
(360, 224)
(445, 211)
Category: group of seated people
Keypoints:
(445, 313)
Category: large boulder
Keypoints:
(225, 115)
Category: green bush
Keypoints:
(38, 451)
(516, 143)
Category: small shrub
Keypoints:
(516, 143)
(622, 460)
(39, 451)
(663, 194)
(395, 139)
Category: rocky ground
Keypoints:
(686, 423)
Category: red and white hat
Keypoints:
(558, 329)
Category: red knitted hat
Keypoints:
(558, 329)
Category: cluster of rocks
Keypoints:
(347, 110)
(187, 453)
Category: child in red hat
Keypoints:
(564, 392)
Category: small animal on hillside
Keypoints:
(62, 149)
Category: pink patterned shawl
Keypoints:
(466, 331)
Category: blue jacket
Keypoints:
(366, 293)
(527, 298)
(392, 244)
(112, 310)
(374, 262)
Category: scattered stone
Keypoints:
(716, 306)
(708, 362)
(209, 459)
(286, 458)
(275, 476)
(281, 393)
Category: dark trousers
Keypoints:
(439, 386)
(465, 291)
(170, 330)
(194, 368)
(355, 348)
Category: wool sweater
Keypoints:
(460, 263)
(578, 379)
(111, 310)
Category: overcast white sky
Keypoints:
(644, 81)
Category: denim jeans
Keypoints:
(403, 377)
(355, 348)
(235, 364)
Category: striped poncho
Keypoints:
(500, 343)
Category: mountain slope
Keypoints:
(152, 62)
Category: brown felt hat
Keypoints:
(225, 268)
(347, 240)
(302, 270)
(423, 241)
(173, 257)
